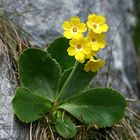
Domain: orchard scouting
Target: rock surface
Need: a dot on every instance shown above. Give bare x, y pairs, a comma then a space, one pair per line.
10, 127
43, 19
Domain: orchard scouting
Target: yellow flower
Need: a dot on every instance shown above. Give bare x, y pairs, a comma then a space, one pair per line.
97, 23
73, 28
91, 54
93, 65
79, 47
97, 41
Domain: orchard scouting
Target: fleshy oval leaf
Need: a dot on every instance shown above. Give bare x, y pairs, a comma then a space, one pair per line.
30, 107
58, 51
65, 127
102, 106
39, 73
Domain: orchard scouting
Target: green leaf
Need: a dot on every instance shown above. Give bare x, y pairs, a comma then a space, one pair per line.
102, 106
78, 82
39, 72
58, 51
65, 127
30, 107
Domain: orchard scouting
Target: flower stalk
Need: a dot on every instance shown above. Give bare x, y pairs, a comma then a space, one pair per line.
63, 89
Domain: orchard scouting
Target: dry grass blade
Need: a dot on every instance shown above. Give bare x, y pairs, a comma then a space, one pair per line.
124, 130
12, 43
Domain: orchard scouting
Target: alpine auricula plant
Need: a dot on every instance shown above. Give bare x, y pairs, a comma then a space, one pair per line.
53, 84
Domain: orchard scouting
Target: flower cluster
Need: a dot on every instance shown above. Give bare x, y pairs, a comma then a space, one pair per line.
85, 47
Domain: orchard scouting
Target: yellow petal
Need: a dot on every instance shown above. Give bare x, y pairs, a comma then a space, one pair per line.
78, 35
66, 25
86, 50
100, 19
87, 67
68, 34
102, 44
92, 17
82, 27
97, 64
75, 20
79, 56
104, 28
87, 56
101, 36
89, 24
101, 63
84, 41
94, 69
82, 61
94, 47
91, 54
94, 65
73, 42
71, 51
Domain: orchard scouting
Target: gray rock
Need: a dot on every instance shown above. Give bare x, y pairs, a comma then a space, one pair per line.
43, 20
9, 125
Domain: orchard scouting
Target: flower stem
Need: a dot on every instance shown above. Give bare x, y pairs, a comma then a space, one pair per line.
68, 80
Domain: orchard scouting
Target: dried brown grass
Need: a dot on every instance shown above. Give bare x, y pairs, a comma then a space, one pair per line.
127, 129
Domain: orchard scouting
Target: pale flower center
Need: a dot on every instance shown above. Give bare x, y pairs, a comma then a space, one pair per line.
93, 40
74, 30
79, 47
95, 26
